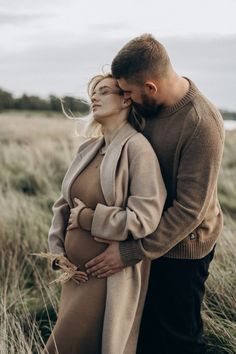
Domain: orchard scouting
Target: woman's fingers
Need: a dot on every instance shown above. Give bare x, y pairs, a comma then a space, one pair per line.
78, 202
80, 276
79, 279
71, 226
76, 281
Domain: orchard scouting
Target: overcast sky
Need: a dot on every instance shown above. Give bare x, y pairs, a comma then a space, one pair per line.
55, 46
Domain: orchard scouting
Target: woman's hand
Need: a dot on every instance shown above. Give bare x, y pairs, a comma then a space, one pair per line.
64, 262
74, 213
79, 276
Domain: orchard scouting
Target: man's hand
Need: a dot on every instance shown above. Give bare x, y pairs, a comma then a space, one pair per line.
108, 262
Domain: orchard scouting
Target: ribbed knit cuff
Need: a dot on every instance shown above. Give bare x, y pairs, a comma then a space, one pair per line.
130, 252
86, 218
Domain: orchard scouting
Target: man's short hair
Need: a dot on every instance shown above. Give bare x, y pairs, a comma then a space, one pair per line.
141, 59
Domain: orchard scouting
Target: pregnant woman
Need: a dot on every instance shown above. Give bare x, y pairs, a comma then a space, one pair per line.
113, 189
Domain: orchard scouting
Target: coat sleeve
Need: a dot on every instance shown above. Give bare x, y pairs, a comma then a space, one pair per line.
56, 234
147, 194
61, 213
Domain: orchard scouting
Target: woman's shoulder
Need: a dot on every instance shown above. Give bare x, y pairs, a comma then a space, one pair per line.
139, 143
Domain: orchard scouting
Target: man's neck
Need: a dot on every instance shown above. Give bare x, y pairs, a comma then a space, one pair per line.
173, 90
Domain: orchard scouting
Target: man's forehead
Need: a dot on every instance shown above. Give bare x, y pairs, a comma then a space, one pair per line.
124, 85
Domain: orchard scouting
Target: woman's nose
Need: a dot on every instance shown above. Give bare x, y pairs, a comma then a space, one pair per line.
93, 98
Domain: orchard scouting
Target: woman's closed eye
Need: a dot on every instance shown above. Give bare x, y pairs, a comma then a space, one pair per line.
104, 92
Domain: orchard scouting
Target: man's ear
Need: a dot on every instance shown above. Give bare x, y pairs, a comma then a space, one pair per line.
150, 87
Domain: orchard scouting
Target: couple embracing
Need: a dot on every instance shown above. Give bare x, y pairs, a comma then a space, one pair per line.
138, 216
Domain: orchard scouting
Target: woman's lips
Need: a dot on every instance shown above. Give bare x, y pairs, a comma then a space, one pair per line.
95, 106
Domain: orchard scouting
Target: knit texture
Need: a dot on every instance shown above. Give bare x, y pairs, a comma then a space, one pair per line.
188, 139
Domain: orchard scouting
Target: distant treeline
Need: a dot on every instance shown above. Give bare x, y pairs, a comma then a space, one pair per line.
228, 115
52, 103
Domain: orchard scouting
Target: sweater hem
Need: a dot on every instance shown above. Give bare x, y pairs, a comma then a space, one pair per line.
197, 250
131, 252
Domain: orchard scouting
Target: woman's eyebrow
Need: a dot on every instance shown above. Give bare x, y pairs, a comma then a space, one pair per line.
100, 88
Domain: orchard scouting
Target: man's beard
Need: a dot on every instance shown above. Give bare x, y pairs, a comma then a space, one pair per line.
148, 108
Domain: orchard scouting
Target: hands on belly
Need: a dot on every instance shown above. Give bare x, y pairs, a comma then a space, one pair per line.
73, 221
108, 262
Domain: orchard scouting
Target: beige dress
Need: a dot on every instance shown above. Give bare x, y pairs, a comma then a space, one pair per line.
78, 329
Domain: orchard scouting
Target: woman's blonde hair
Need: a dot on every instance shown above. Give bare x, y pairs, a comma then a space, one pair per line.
87, 126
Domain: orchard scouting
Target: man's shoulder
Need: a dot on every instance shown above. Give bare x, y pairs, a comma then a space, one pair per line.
198, 108
205, 114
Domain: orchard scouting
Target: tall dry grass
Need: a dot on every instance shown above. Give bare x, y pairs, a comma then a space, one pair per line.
35, 153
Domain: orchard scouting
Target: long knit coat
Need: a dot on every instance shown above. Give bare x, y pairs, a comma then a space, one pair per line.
135, 194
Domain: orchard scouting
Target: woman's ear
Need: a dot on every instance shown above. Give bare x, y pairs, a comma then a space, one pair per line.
127, 102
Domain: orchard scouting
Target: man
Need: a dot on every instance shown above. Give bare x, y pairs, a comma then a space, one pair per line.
187, 134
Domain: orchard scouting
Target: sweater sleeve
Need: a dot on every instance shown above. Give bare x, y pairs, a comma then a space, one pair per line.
144, 206
196, 181
56, 234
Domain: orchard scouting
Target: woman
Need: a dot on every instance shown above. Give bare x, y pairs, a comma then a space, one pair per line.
113, 189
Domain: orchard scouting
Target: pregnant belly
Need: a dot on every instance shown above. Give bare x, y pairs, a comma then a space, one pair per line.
80, 246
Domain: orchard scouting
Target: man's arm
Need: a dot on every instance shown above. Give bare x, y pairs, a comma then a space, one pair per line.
196, 181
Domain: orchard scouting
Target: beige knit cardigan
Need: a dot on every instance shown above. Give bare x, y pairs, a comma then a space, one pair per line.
135, 194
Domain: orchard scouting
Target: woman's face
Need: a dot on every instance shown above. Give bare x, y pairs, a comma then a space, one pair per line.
107, 100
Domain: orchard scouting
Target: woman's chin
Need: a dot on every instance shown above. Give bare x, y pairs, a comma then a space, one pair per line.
98, 118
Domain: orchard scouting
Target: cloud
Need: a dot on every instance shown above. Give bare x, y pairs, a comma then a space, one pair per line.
15, 19
109, 26
66, 66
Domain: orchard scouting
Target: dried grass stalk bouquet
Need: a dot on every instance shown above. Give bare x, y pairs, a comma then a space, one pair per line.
69, 269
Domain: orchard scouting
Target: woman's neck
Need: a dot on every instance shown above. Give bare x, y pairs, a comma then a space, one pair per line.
109, 131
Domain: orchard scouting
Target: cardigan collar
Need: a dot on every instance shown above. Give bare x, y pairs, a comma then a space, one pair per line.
110, 161
87, 152
118, 139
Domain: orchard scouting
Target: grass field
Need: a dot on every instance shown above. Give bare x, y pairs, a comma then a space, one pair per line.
35, 153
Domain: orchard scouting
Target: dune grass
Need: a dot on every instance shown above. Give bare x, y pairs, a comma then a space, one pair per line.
35, 153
